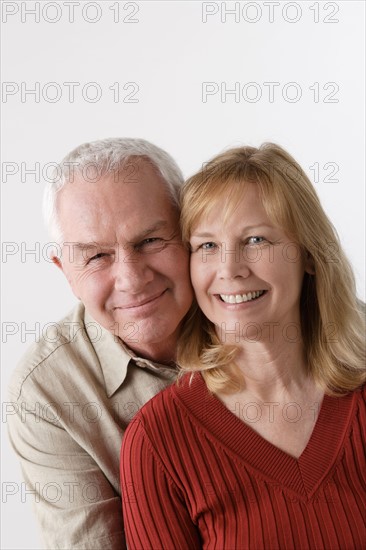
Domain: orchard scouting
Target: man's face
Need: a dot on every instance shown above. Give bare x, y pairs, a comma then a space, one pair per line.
124, 259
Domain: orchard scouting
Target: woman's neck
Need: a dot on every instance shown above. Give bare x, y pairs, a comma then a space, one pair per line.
273, 369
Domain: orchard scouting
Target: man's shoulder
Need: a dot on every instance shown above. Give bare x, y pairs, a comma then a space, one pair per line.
165, 408
62, 343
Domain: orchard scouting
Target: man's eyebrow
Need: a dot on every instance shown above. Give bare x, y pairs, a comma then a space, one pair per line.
161, 224
89, 245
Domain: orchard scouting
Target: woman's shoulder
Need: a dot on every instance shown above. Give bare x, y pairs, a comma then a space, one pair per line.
360, 394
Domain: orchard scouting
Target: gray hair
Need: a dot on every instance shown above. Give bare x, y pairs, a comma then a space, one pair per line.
104, 157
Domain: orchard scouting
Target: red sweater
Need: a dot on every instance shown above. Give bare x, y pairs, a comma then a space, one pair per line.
195, 476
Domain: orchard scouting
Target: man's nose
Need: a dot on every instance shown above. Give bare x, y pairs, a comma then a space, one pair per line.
132, 272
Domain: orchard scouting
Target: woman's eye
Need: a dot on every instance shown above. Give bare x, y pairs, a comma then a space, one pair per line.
208, 246
256, 240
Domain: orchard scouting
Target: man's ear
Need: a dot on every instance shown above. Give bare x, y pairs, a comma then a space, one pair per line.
56, 260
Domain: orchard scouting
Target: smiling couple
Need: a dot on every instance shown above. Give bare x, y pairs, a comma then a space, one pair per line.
259, 443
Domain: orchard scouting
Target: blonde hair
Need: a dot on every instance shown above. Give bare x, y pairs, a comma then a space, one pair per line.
332, 321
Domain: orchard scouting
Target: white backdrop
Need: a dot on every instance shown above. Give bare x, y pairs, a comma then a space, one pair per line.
192, 77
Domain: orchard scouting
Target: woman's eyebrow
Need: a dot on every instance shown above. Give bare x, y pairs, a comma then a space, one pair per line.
203, 234
244, 229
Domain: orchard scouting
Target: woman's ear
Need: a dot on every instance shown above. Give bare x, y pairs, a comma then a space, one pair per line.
309, 264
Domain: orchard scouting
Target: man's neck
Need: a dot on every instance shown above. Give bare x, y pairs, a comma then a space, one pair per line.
158, 352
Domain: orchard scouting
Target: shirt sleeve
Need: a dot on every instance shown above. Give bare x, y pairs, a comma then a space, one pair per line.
155, 513
75, 504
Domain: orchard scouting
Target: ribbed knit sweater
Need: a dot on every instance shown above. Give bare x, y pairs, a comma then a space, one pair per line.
194, 475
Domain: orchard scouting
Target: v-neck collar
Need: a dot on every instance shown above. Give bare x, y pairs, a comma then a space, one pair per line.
302, 475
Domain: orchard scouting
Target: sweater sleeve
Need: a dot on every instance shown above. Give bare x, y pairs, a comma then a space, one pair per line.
155, 513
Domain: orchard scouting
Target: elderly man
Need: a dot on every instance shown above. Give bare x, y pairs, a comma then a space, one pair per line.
114, 212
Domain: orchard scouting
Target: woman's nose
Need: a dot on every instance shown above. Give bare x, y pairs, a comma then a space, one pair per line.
232, 262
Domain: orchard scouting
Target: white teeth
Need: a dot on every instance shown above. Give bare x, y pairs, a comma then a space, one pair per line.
239, 298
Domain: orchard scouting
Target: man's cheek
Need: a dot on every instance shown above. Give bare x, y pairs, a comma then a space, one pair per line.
90, 290
74, 283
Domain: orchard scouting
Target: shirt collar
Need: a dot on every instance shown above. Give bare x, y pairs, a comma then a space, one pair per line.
114, 356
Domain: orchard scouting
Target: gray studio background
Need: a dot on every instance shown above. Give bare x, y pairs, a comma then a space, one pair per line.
194, 78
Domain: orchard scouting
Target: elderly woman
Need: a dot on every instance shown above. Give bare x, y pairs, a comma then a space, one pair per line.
261, 443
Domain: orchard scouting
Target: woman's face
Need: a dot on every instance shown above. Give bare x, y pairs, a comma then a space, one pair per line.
247, 274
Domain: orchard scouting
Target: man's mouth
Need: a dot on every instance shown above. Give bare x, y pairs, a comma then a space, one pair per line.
148, 300
240, 298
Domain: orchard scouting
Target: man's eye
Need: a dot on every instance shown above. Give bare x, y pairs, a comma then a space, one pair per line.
152, 244
151, 240
97, 257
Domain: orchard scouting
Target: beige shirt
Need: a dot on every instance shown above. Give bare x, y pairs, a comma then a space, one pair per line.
73, 395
